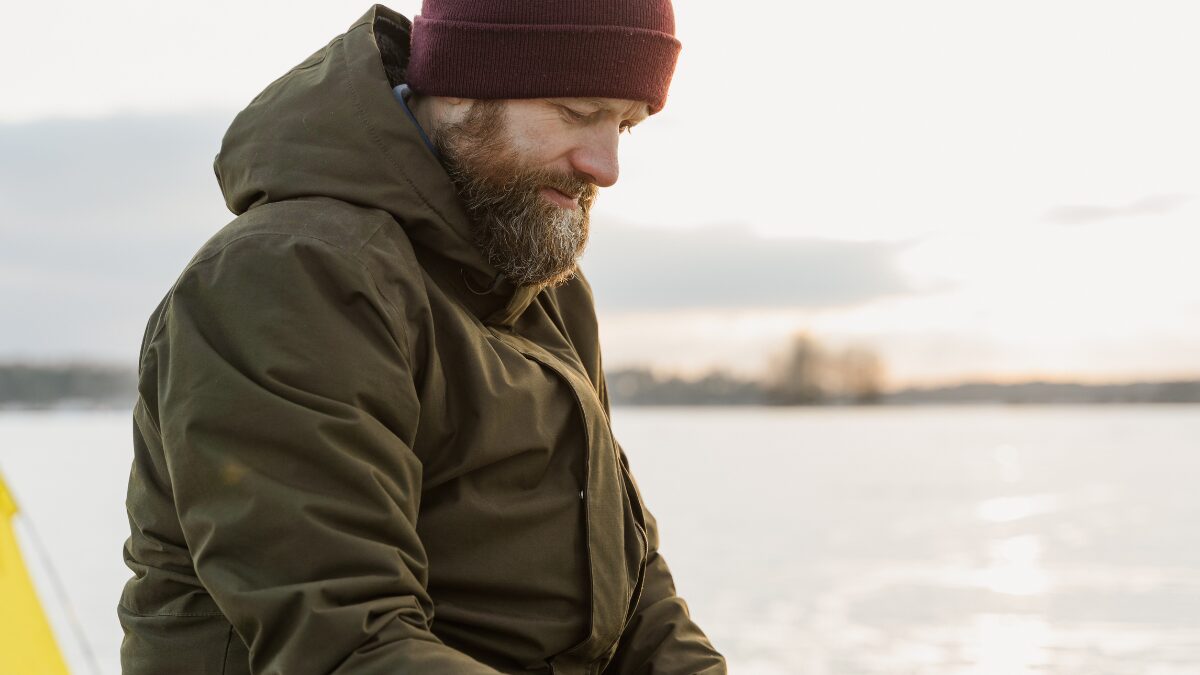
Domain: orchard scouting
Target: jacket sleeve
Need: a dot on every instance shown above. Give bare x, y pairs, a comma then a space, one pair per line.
660, 638
287, 409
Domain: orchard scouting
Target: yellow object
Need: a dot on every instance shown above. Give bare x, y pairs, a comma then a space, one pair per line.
27, 646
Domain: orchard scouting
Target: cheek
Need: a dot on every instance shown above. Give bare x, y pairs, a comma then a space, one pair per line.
543, 145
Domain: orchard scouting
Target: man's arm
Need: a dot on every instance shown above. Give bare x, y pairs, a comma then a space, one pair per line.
661, 638
287, 410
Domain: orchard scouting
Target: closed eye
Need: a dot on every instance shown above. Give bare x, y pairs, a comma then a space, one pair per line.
578, 117
574, 115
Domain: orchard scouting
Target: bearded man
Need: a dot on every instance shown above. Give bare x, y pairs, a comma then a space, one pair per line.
373, 432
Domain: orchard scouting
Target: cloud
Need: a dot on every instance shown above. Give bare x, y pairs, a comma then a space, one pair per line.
1153, 205
730, 267
97, 217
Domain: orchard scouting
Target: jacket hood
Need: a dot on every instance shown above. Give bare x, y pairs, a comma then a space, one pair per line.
331, 127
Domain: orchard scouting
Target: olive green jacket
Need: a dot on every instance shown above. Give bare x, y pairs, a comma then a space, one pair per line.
358, 449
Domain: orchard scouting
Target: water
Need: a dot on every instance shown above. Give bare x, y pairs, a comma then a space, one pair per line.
939, 541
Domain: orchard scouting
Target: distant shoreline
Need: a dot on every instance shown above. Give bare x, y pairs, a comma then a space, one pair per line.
99, 387
638, 387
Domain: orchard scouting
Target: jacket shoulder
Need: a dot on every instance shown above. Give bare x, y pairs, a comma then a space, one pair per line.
338, 224
292, 245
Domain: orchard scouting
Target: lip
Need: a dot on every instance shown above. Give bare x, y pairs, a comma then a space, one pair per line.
560, 198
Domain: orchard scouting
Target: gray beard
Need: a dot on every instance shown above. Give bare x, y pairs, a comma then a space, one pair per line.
525, 237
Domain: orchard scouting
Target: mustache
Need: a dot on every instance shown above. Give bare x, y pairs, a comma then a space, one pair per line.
519, 186
568, 185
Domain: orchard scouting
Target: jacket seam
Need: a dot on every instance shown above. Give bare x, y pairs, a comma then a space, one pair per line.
146, 406
301, 69
382, 296
370, 236
288, 75
353, 255
171, 614
225, 658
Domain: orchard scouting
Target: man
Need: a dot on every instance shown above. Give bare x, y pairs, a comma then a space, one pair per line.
373, 431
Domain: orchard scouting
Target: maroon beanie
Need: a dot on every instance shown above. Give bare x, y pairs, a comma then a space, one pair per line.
533, 48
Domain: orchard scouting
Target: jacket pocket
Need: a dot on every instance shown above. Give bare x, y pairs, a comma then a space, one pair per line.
190, 644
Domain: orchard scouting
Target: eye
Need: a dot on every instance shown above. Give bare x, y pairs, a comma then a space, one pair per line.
572, 114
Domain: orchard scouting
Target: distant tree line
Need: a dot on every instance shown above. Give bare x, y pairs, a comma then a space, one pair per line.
1038, 393
807, 373
804, 373
638, 386
68, 385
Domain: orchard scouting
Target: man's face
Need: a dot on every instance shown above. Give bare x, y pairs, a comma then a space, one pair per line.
528, 171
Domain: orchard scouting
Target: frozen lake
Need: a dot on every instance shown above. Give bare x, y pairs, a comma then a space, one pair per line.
938, 541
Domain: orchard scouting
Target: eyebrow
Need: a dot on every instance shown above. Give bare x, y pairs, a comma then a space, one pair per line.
601, 103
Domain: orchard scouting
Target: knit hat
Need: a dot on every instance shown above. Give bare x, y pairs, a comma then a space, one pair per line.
552, 48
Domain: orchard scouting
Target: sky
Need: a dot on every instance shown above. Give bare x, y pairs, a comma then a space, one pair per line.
1000, 190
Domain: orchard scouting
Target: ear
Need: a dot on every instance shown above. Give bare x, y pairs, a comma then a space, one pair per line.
439, 110
455, 108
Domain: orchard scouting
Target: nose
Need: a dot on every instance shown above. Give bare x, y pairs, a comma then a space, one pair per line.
595, 159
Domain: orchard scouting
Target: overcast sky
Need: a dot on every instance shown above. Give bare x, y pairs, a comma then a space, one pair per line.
1003, 189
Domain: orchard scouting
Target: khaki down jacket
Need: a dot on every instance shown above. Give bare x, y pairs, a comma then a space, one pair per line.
357, 448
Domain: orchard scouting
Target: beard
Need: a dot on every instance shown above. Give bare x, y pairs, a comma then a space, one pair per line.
523, 235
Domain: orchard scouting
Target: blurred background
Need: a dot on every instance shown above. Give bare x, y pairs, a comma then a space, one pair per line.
912, 285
